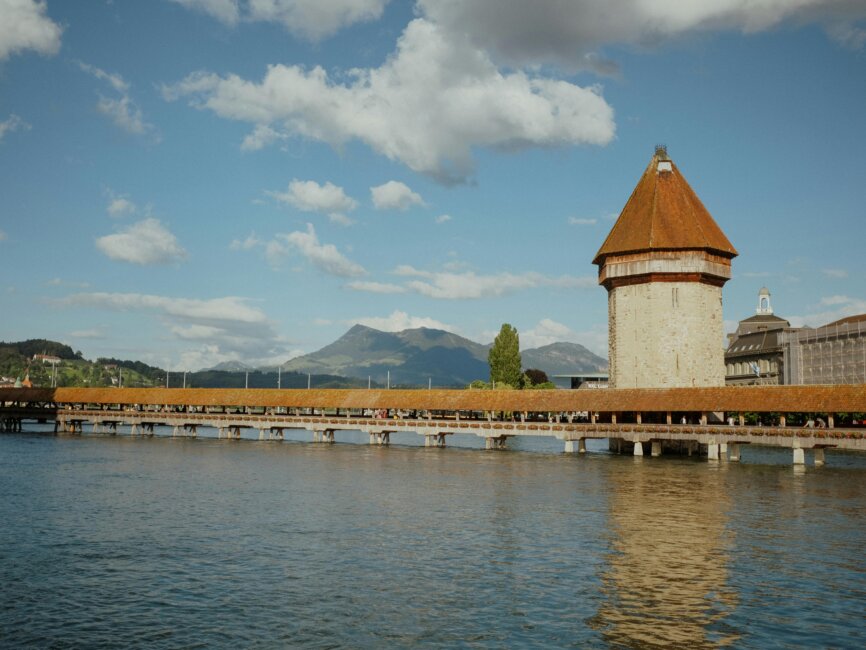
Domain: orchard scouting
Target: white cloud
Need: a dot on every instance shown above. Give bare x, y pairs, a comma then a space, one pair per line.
119, 206
394, 195
576, 221
844, 306
316, 19
449, 86
571, 33
226, 11
547, 331
11, 124
60, 282
376, 287
144, 242
323, 256
121, 110
245, 244
328, 199
443, 218
398, 321
309, 19
24, 25
835, 273
469, 285
224, 329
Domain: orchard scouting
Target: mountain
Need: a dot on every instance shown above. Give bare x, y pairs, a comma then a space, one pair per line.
413, 357
230, 366
416, 356
563, 359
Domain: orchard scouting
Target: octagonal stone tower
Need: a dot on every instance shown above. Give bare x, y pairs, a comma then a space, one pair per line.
664, 264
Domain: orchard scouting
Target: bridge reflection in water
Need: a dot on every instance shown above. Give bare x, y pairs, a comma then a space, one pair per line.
635, 421
666, 579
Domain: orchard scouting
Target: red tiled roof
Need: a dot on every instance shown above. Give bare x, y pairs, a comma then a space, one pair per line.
664, 213
795, 399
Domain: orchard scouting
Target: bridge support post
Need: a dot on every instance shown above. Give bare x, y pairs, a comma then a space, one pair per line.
492, 443
799, 455
734, 451
570, 446
656, 448
819, 456
638, 448
713, 451
174, 431
723, 451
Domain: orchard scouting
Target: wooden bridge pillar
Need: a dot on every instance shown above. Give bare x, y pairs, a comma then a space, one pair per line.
656, 449
638, 448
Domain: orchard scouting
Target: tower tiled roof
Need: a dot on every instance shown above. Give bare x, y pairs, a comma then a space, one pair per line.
664, 213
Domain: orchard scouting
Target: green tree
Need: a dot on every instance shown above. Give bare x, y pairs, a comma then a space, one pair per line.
504, 357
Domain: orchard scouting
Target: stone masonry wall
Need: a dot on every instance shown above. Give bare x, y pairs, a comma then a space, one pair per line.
665, 335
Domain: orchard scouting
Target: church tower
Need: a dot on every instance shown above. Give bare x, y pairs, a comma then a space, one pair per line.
664, 264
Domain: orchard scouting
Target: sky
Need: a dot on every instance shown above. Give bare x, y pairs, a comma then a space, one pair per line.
187, 182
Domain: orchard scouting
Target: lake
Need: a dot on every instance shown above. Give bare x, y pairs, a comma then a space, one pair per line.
167, 543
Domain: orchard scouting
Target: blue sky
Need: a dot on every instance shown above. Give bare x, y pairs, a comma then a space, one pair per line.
187, 182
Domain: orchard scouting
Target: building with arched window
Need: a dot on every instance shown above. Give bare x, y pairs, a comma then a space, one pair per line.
755, 354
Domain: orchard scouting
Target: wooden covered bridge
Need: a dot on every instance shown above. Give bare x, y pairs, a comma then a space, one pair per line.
714, 421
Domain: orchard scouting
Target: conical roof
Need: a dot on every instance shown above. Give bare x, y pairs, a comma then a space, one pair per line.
664, 213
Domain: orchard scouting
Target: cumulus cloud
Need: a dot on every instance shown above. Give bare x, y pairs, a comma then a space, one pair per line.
249, 243
398, 321
226, 11
571, 33
144, 242
547, 331
309, 196
119, 206
443, 218
224, 329
24, 25
576, 221
376, 287
309, 19
315, 19
325, 257
11, 124
120, 109
469, 285
452, 88
829, 309
394, 195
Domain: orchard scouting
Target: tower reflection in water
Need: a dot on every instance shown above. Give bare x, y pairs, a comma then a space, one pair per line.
666, 579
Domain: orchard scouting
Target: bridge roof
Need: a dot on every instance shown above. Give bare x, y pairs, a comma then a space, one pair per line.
795, 399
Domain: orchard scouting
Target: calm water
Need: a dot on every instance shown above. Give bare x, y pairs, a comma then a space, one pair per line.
115, 542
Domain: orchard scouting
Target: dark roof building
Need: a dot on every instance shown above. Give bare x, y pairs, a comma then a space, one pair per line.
754, 354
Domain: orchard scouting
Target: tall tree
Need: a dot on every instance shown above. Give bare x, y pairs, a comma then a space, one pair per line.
504, 357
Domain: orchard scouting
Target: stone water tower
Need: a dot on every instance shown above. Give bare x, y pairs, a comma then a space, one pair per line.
664, 264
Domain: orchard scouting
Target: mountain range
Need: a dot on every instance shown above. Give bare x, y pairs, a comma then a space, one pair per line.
415, 357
